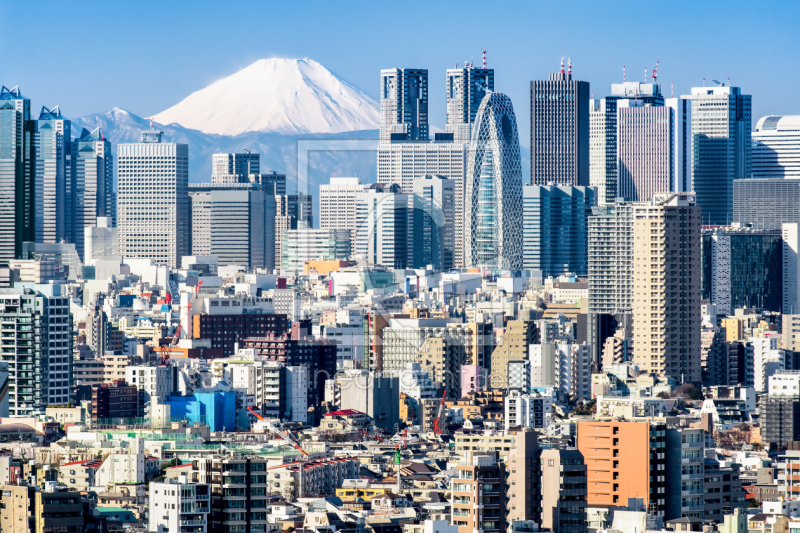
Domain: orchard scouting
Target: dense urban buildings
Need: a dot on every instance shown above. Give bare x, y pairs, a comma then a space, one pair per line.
560, 130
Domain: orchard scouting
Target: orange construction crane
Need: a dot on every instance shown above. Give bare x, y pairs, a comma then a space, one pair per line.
438, 422
255, 414
168, 347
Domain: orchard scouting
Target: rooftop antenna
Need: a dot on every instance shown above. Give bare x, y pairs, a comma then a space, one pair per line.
623, 73
484, 58
645, 74
729, 82
562, 64
569, 66
655, 72
672, 89
455, 65
704, 82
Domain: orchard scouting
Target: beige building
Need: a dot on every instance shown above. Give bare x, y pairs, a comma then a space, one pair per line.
518, 336
441, 358
523, 489
791, 332
501, 444
563, 491
478, 493
666, 286
114, 367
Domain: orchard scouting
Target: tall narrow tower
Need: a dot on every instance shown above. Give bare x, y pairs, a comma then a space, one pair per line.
404, 104
466, 88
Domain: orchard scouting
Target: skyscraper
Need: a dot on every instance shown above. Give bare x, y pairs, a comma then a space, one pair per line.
560, 130
611, 258
666, 286
776, 147
493, 192
234, 222
385, 232
242, 164
153, 199
17, 212
603, 148
721, 146
289, 210
434, 213
52, 136
466, 88
555, 228
404, 104
89, 193
337, 205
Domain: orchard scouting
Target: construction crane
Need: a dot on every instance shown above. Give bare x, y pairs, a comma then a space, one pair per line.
439, 421
191, 301
165, 349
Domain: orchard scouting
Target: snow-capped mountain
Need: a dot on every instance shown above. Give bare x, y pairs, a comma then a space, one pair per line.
288, 96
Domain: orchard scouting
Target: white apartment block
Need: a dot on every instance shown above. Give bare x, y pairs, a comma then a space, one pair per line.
767, 360
154, 383
177, 506
565, 365
153, 200
528, 410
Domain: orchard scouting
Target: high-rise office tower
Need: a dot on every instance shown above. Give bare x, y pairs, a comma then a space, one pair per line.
742, 268
466, 88
611, 258
404, 104
402, 162
721, 146
271, 182
666, 286
337, 205
90, 194
242, 164
639, 142
39, 351
289, 210
17, 212
776, 147
555, 228
154, 199
560, 130
434, 213
52, 135
790, 251
766, 203
234, 222
384, 229
493, 192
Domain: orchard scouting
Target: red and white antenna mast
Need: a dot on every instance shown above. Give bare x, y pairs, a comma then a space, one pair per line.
569, 66
562, 64
655, 72
484, 58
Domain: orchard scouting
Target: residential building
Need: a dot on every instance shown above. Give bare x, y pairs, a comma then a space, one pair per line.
227, 321
17, 174
116, 400
766, 203
37, 345
721, 126
518, 336
370, 393
337, 205
479, 485
560, 130
532, 410
176, 504
610, 260
723, 493
666, 286
52, 135
685, 473
27, 509
780, 409
776, 147
523, 486
790, 333
742, 268
603, 148
442, 357
234, 223
555, 228
404, 337
493, 189
466, 88
434, 222
564, 365
90, 196
154, 383
624, 460
153, 200
564, 490
416, 385
404, 104
768, 360
303, 244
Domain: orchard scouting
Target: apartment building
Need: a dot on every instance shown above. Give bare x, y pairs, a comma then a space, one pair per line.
523, 487
518, 336
477, 493
177, 505
563, 491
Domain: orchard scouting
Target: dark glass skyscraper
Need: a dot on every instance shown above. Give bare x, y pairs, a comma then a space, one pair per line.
560, 130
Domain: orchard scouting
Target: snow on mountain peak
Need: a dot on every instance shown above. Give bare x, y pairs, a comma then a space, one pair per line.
288, 96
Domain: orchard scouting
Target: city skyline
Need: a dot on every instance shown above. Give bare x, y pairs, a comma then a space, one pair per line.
517, 54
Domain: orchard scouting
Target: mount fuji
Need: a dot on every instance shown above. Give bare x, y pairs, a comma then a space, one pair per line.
287, 96
265, 108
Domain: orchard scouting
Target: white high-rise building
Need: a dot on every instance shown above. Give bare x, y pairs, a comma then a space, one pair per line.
776, 147
384, 234
611, 258
768, 359
177, 505
242, 164
403, 162
337, 205
434, 211
404, 104
153, 200
101, 240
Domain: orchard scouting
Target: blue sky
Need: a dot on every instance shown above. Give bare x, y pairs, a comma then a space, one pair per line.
145, 56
